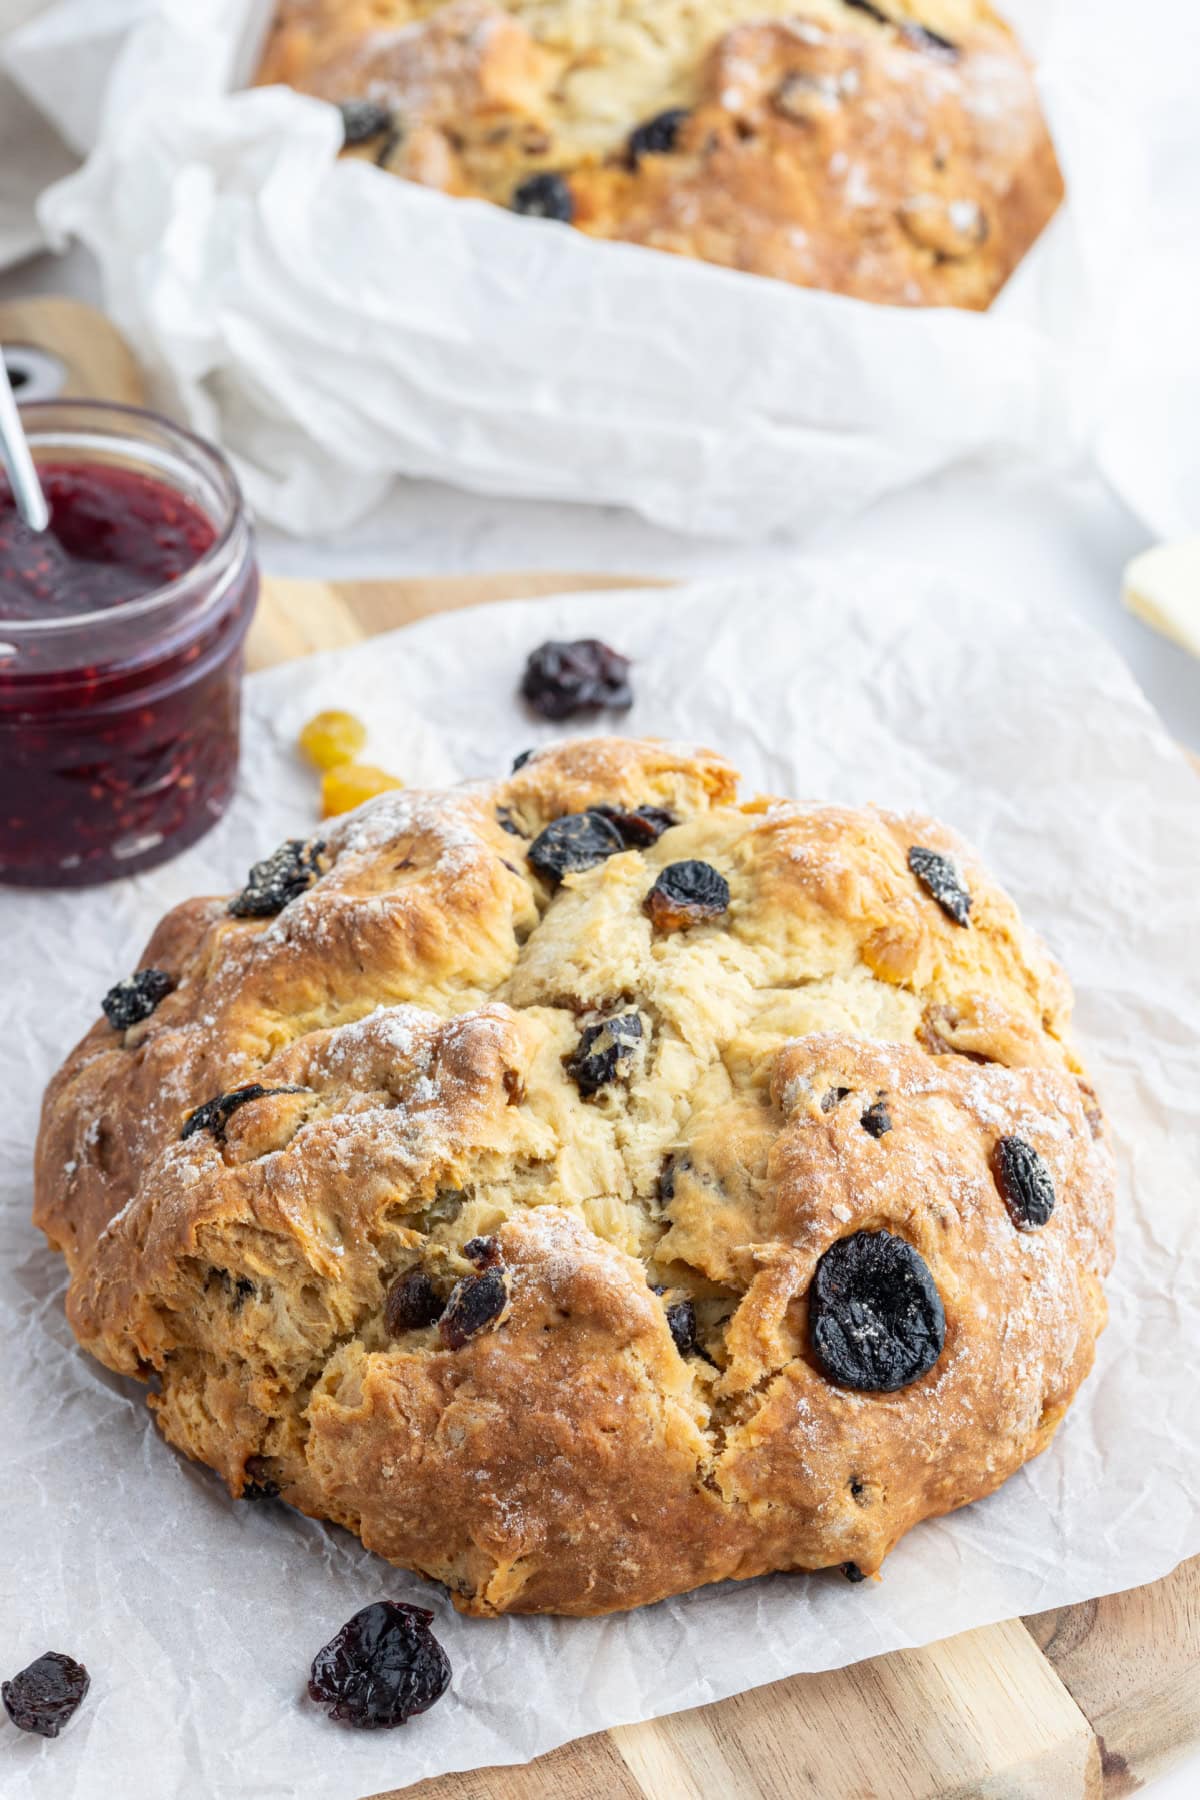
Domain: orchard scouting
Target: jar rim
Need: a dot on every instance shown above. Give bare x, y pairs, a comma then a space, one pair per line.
213, 463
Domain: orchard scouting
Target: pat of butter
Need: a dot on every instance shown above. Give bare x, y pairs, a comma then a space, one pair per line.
1162, 586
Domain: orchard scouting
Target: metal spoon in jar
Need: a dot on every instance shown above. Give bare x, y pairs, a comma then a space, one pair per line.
14, 451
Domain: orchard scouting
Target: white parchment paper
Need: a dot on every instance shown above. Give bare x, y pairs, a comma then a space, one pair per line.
335, 327
198, 1615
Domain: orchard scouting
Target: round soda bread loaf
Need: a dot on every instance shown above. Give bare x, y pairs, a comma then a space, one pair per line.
582, 1205
893, 151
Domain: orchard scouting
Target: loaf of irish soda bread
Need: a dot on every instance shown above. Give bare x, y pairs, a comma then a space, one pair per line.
890, 149
584, 1187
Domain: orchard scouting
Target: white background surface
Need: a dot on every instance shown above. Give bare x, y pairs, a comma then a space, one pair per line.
333, 328
997, 529
996, 526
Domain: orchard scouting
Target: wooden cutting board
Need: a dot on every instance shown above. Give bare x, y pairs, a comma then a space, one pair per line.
1081, 1703
77, 354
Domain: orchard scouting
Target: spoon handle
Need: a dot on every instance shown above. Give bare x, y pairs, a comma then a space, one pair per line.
14, 450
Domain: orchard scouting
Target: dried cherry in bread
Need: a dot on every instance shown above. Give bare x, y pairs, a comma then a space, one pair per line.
130, 1001
876, 1320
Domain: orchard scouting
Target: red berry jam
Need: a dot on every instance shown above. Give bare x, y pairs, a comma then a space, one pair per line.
114, 535
121, 637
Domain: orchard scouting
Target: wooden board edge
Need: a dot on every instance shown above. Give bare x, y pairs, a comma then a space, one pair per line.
980, 1714
98, 362
1131, 1661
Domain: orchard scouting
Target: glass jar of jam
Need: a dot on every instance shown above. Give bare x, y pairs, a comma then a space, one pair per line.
121, 639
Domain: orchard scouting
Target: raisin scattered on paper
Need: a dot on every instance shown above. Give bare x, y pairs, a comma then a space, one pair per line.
875, 1317
938, 875
383, 1667
1025, 1183
349, 784
576, 841
657, 136
215, 1114
563, 679
686, 893
544, 196
278, 879
852, 1572
412, 1303
46, 1696
332, 737
877, 1119
603, 1051
134, 999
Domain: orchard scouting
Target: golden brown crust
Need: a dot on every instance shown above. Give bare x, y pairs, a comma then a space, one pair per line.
414, 1013
894, 152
